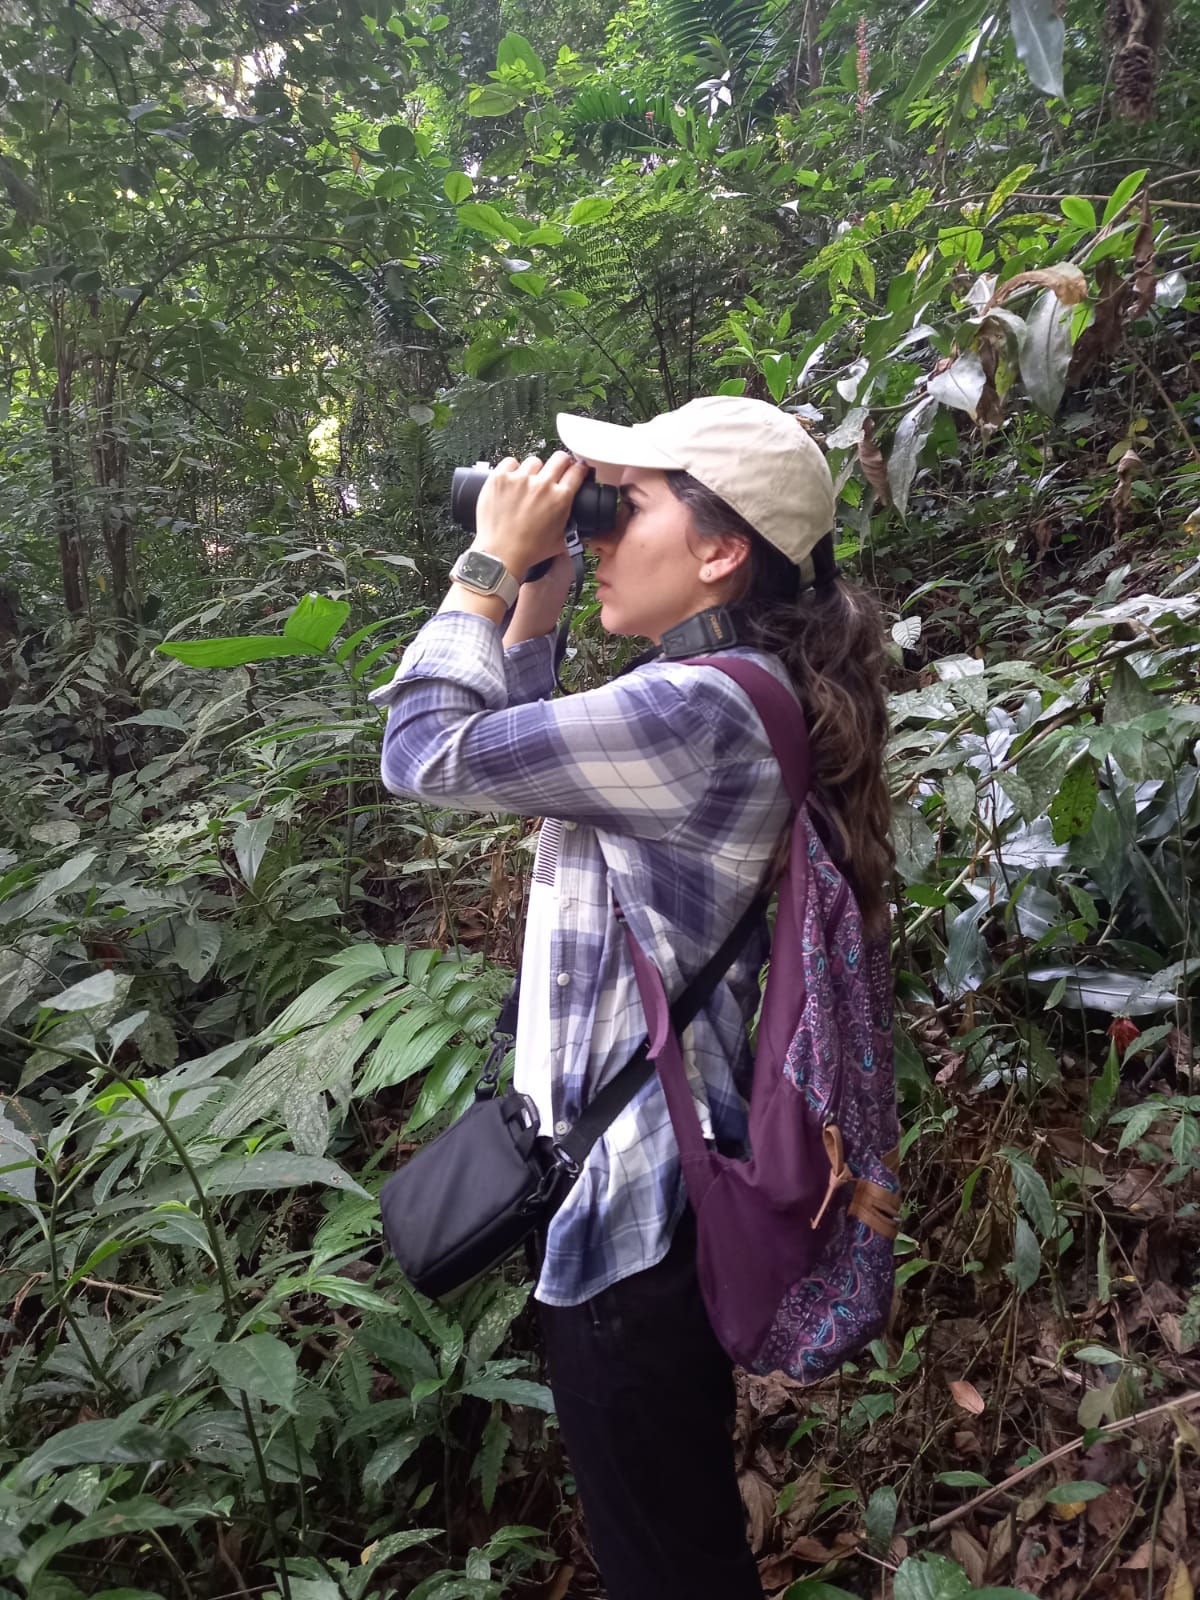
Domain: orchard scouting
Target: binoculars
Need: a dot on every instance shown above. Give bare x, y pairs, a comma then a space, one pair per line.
593, 511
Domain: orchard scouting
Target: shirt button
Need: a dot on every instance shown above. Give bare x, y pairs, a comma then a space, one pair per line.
562, 1128
563, 979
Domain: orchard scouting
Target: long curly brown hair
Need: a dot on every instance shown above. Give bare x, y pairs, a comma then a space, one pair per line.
830, 639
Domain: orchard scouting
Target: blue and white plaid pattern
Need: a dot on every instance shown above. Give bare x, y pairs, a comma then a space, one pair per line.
671, 802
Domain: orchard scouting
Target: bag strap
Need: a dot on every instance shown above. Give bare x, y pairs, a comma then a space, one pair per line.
785, 728
603, 1109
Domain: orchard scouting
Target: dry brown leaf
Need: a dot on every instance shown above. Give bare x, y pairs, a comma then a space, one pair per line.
1139, 1560
1000, 1543
1067, 281
967, 1396
970, 1555
759, 1498
1145, 277
870, 459
1180, 1585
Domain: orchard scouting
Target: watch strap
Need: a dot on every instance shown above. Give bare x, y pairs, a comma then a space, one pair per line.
505, 586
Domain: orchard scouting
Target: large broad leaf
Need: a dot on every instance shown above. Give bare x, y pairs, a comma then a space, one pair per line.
96, 990
1045, 351
232, 652
906, 449
249, 845
1129, 994
936, 1577
18, 1160
261, 1365
961, 385
312, 626
275, 1169
516, 51
114, 1439
949, 42
1038, 34
67, 876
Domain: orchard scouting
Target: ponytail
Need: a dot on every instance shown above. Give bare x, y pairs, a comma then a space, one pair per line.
830, 640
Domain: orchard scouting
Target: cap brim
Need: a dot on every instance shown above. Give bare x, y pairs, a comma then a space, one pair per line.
610, 443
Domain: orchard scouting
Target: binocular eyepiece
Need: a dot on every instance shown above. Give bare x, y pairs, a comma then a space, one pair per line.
593, 511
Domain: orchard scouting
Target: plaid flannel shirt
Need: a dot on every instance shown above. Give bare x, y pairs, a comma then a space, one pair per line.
670, 802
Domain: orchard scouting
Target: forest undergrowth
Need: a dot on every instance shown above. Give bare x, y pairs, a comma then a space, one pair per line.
328, 252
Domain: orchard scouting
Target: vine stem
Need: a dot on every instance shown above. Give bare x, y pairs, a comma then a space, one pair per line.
1183, 1402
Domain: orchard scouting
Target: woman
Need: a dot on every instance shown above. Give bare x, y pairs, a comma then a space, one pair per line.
666, 800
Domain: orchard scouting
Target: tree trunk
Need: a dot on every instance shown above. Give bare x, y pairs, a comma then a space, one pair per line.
66, 509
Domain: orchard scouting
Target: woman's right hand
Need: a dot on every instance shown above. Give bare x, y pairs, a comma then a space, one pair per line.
522, 512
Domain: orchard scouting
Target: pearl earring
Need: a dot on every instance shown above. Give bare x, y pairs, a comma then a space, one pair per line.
706, 572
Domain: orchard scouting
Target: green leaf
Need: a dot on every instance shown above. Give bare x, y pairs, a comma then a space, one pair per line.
934, 1577
492, 1451
1103, 1091
457, 186
514, 51
963, 1480
1038, 35
1128, 697
18, 1160
1027, 1256
489, 221
491, 102
1071, 1494
816, 1589
98, 990
1096, 1355
108, 1441
396, 141
1074, 806
948, 42
1079, 211
1033, 1194
594, 209
261, 1365
1005, 188
235, 652
389, 1458
514, 1391
1122, 194
311, 627
274, 1169
880, 1518
249, 845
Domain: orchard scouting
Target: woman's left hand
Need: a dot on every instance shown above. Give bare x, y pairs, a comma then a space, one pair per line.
522, 512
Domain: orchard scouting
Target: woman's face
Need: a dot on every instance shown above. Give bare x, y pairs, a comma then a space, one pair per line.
648, 569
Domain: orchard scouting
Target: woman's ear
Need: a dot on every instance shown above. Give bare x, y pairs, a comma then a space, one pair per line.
727, 554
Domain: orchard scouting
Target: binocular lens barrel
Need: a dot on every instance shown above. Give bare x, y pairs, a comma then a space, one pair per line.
593, 511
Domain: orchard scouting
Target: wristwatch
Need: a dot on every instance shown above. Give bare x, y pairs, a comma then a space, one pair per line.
485, 574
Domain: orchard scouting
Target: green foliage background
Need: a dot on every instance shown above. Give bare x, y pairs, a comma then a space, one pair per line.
269, 273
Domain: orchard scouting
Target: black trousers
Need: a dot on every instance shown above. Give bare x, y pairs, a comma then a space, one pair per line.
645, 1400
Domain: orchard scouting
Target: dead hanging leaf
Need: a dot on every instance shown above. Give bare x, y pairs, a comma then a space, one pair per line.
1043, 533
870, 459
1180, 1585
1144, 275
967, 1396
1128, 468
1066, 279
1103, 335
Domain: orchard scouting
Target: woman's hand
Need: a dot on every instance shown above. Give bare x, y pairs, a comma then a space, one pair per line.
522, 512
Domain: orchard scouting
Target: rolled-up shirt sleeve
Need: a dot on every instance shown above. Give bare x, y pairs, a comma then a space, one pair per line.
636, 755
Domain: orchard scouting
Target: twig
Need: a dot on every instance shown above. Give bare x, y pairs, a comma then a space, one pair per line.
1170, 405
1181, 1403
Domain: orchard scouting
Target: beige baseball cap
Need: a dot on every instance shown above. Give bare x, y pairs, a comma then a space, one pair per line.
759, 459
